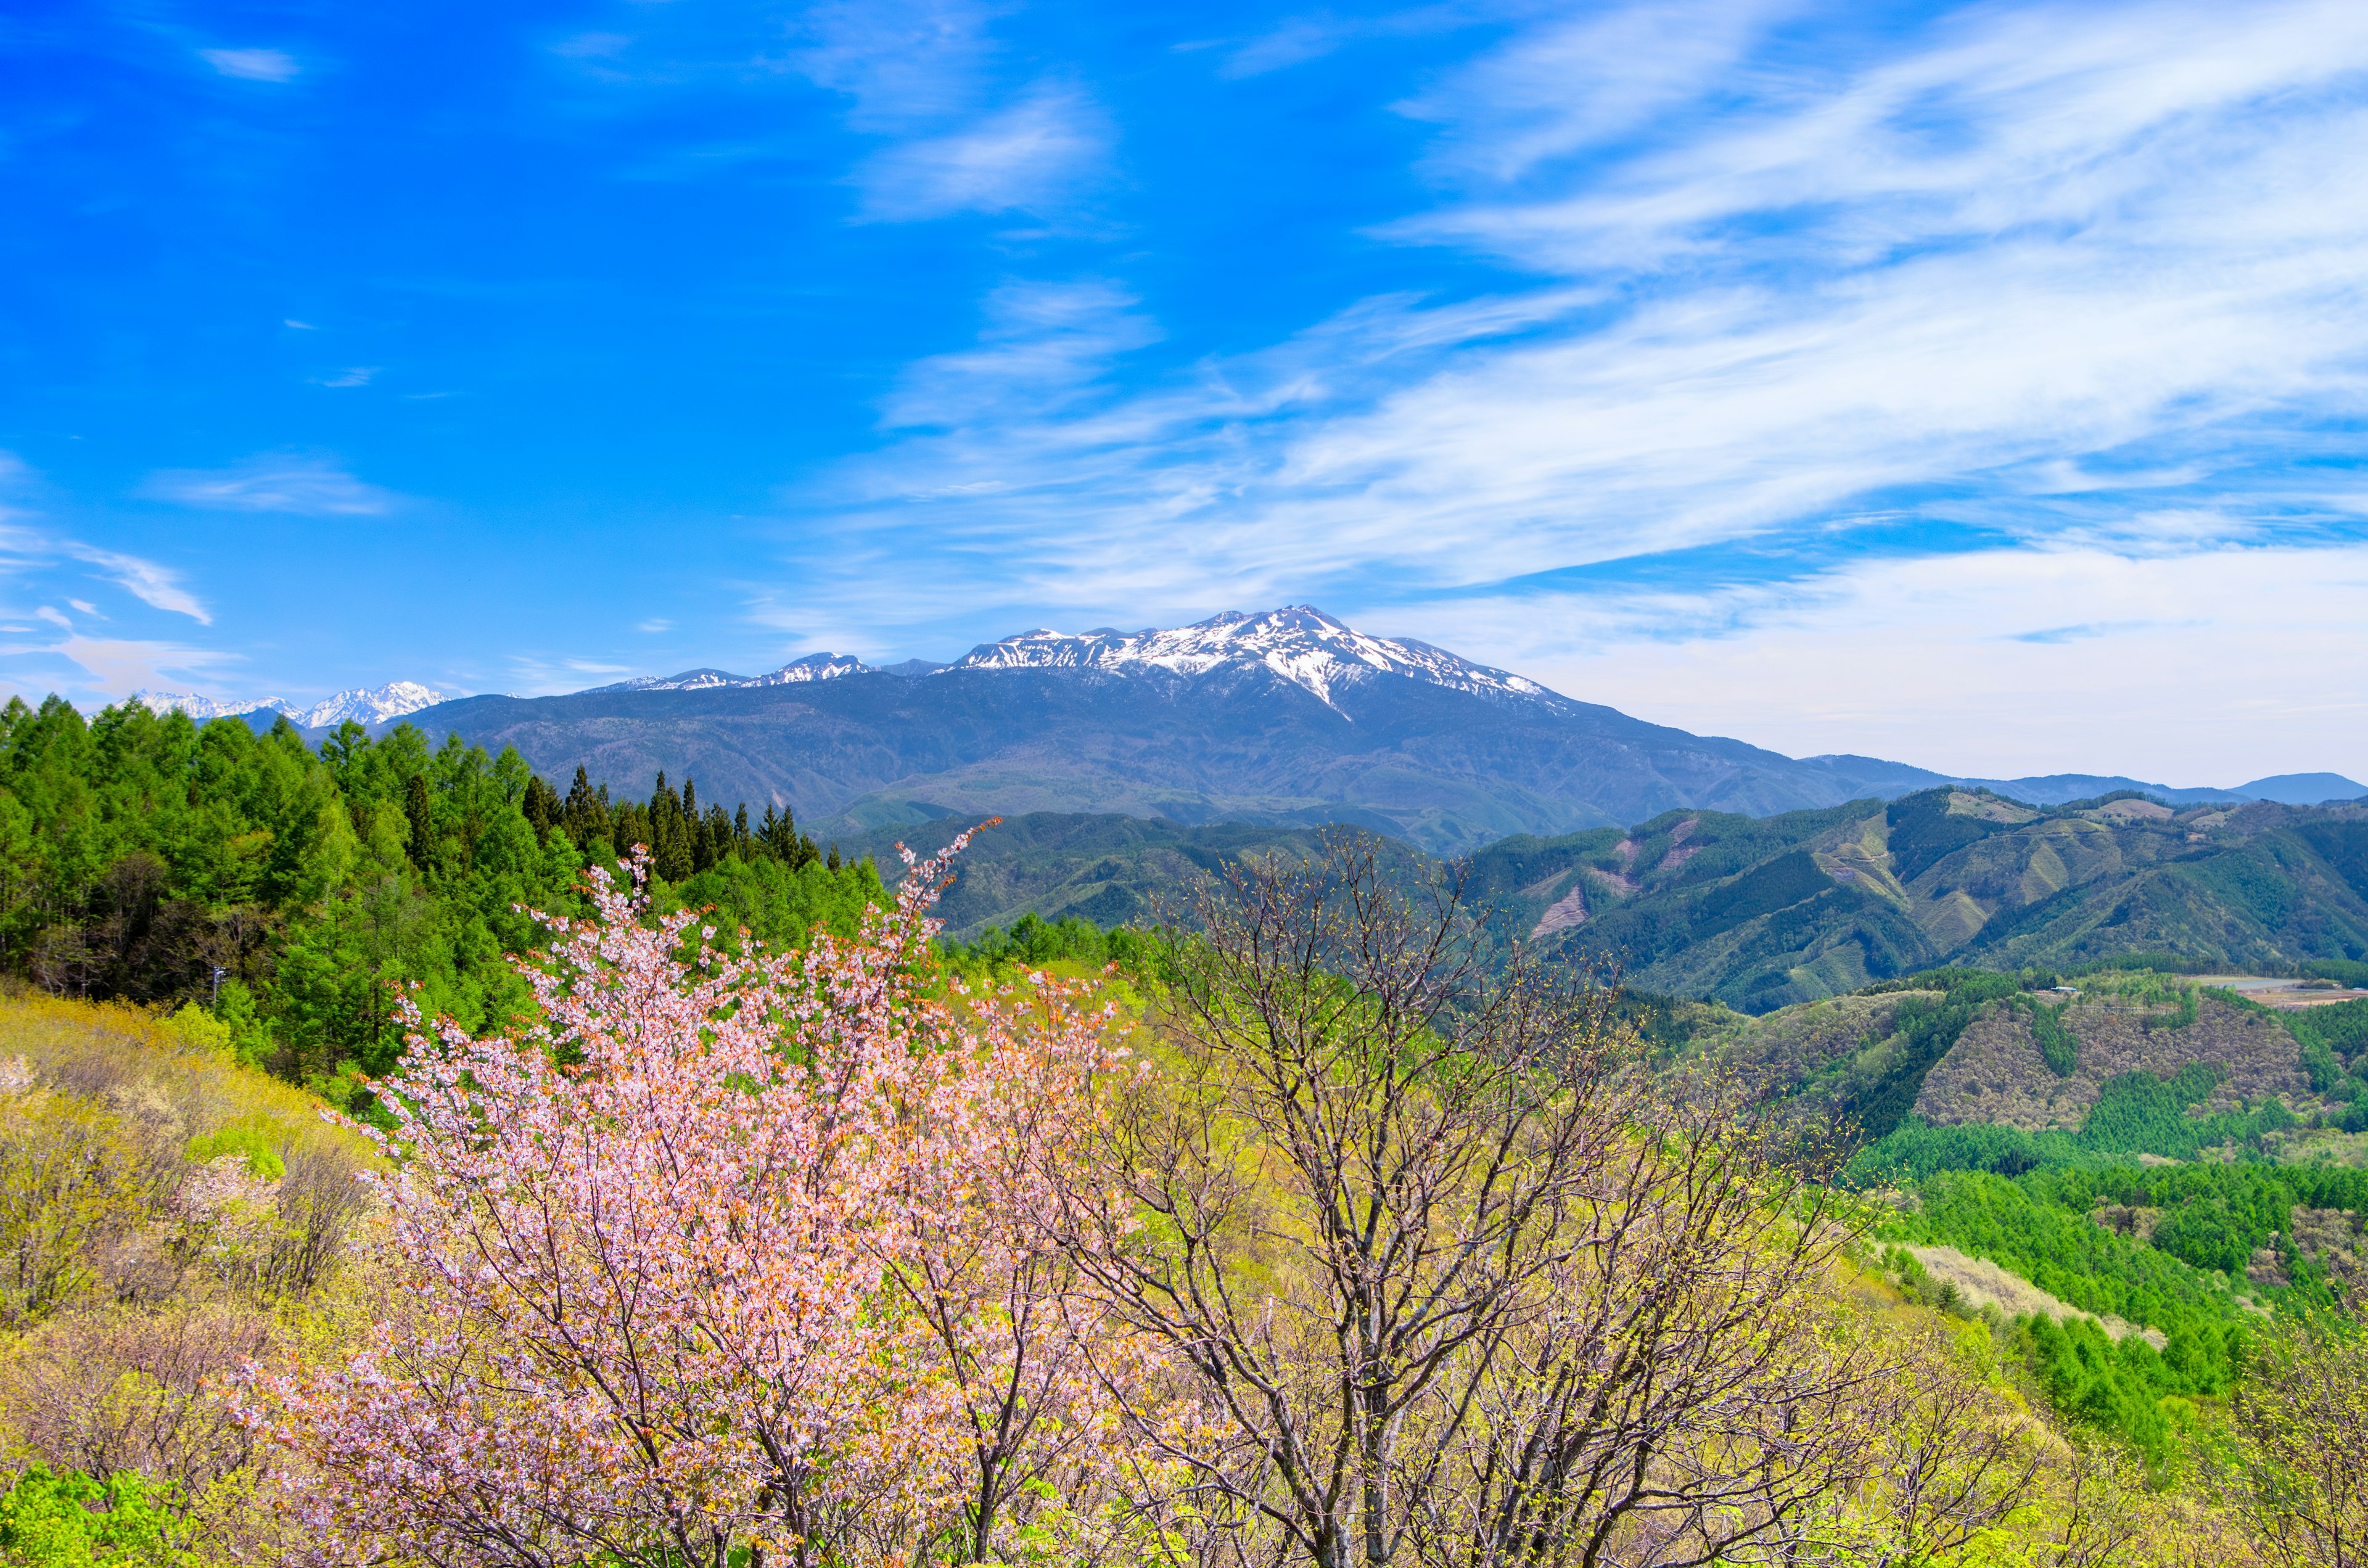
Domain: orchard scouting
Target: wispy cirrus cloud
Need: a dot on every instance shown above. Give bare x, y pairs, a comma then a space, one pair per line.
27, 548
296, 483
1035, 155
144, 580
2039, 274
2210, 666
252, 64
906, 65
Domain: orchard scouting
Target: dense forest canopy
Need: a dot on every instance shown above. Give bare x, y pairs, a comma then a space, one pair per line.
147, 858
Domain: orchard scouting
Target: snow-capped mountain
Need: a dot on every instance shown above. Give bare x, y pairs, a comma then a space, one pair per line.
814, 666
374, 705
202, 709
1300, 643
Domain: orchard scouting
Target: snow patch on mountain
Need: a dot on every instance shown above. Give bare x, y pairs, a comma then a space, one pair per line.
1300, 643
372, 706
200, 709
814, 666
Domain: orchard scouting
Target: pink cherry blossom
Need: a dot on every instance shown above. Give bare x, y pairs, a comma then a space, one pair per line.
727, 1252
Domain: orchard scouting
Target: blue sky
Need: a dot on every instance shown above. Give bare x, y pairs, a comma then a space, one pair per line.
1981, 386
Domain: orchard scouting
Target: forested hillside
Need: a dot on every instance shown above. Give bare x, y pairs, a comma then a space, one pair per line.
2175, 1166
289, 889
218, 1348
1758, 913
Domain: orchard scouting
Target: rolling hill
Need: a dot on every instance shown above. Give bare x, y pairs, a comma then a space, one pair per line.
1761, 913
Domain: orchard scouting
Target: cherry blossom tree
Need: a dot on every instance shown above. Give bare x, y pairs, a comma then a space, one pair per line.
725, 1258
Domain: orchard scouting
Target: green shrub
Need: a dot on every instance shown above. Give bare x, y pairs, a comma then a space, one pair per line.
50, 1519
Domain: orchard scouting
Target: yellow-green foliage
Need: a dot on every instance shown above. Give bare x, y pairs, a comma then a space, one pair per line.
166, 1214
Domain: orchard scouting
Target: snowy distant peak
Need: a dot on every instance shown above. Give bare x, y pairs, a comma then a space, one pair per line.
1300, 643
374, 706
689, 680
202, 709
391, 701
814, 666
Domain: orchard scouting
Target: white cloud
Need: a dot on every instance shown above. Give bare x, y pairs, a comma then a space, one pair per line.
1044, 344
2211, 667
122, 666
1035, 156
252, 64
285, 481
1572, 83
153, 584
906, 64
85, 607
654, 625
353, 376
2062, 274
300, 325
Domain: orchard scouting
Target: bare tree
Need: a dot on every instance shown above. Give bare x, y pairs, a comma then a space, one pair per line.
1452, 1279
2300, 1468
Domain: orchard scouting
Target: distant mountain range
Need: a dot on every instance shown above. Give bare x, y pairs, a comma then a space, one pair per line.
376, 706
1760, 913
1764, 912
1284, 718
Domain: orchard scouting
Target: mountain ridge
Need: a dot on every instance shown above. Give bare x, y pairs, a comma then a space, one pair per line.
1286, 716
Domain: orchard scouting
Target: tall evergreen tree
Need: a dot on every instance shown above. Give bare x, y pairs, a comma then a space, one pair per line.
421, 816
542, 806
587, 811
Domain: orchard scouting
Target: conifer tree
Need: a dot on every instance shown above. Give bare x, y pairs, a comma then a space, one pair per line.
422, 818
541, 807
588, 810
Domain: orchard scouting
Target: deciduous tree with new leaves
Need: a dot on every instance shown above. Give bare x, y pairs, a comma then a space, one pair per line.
723, 1259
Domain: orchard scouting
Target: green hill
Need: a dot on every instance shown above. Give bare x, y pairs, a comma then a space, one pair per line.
1759, 913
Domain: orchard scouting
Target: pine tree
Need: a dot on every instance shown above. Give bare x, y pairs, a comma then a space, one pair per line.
422, 817
541, 807
587, 811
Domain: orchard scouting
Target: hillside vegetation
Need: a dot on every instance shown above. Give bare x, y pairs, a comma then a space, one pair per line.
1794, 1393
2009, 1091
167, 1215
292, 889
2179, 1166
1758, 913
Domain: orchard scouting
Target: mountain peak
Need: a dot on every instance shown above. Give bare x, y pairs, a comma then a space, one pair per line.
814, 666
200, 709
1298, 642
372, 705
